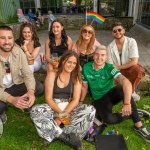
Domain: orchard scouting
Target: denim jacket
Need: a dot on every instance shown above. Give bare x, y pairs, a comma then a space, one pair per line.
20, 72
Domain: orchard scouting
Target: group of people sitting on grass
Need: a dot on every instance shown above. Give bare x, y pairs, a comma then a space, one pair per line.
110, 74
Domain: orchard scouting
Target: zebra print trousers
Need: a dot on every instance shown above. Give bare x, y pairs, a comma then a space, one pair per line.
81, 120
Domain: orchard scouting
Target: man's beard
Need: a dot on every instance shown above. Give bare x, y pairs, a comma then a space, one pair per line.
6, 50
119, 37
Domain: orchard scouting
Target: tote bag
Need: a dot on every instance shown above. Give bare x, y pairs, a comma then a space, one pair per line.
110, 142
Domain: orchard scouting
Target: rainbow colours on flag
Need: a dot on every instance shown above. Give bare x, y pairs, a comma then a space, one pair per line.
93, 15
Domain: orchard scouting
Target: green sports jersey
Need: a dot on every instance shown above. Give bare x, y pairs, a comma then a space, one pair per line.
99, 81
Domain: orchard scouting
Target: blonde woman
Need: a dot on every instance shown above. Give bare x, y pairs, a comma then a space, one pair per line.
86, 44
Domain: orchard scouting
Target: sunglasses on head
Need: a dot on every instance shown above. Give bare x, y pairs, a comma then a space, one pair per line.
117, 30
87, 31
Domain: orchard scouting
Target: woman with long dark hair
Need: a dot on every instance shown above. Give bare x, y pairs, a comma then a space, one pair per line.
29, 42
58, 42
62, 117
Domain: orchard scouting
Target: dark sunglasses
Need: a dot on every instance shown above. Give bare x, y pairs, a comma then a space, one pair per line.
7, 67
115, 31
87, 31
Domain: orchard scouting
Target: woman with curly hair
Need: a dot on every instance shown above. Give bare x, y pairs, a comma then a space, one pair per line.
58, 42
86, 44
29, 42
61, 117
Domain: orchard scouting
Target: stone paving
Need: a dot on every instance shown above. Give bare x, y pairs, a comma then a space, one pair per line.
104, 37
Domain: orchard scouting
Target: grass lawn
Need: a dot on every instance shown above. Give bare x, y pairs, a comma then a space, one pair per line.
20, 133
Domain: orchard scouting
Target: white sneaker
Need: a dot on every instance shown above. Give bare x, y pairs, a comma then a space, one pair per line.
3, 117
1, 128
143, 113
136, 97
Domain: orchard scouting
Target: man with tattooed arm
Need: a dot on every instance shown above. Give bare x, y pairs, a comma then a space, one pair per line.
99, 76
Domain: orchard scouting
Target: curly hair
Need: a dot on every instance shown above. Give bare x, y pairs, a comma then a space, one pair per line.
33, 30
80, 39
76, 74
117, 24
64, 37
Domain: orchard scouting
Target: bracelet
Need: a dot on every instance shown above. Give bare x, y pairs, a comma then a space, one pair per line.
126, 103
81, 101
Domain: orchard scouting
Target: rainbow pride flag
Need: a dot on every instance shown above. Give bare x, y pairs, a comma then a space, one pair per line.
93, 15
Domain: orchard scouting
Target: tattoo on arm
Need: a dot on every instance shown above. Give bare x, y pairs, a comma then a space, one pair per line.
120, 79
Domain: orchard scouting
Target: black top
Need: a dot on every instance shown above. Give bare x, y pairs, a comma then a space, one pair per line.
36, 43
85, 58
60, 49
63, 93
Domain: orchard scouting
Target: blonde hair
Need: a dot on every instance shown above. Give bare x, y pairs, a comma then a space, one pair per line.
101, 47
80, 39
49, 12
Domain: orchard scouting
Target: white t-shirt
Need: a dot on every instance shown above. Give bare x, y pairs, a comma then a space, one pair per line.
7, 80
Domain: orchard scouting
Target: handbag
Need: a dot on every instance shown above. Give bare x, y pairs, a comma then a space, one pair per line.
110, 142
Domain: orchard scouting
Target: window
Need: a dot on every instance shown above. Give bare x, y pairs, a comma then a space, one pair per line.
113, 7
26, 4
144, 12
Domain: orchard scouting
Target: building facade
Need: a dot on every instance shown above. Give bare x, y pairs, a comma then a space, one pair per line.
143, 13
138, 9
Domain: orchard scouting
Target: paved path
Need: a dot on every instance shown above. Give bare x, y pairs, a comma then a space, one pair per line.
104, 37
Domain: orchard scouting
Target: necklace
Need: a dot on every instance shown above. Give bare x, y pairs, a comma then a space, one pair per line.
63, 81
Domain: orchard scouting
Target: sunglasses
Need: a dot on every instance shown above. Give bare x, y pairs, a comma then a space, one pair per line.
87, 31
117, 30
7, 67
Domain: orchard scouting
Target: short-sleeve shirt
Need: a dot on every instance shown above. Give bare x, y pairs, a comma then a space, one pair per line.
100, 81
129, 50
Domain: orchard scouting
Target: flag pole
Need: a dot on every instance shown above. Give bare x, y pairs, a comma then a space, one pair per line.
92, 21
86, 17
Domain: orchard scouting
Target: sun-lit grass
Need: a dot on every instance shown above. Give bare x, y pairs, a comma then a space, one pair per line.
20, 133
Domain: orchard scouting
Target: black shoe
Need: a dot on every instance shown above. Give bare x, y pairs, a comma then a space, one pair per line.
27, 110
1, 128
97, 131
143, 113
46, 143
142, 131
72, 140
